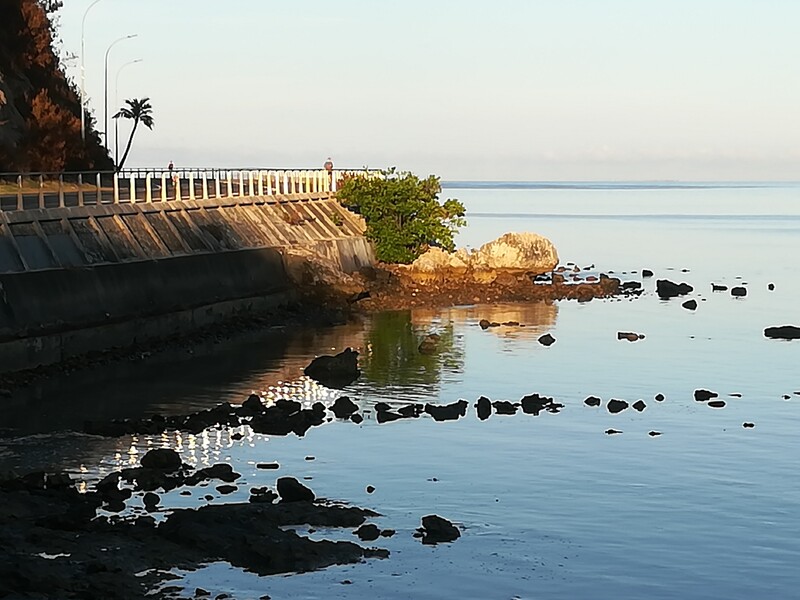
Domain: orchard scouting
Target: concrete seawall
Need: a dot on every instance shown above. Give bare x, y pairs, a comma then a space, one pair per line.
81, 279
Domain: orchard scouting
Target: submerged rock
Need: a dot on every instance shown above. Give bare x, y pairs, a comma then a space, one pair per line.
291, 490
592, 401
335, 371
163, 459
547, 340
783, 332
429, 344
437, 530
739, 291
447, 412
368, 532
343, 407
669, 289
690, 304
484, 408
704, 395
615, 406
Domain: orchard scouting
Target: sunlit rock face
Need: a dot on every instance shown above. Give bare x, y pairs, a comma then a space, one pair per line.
505, 259
528, 252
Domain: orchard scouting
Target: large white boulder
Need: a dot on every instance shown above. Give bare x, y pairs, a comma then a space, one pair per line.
528, 252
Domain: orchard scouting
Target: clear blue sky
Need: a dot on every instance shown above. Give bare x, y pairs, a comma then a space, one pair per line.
466, 89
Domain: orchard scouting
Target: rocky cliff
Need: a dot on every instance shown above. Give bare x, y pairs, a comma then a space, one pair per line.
39, 107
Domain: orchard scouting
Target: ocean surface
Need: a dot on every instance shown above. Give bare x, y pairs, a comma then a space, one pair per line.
550, 506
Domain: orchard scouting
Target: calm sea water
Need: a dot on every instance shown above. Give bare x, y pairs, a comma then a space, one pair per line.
550, 506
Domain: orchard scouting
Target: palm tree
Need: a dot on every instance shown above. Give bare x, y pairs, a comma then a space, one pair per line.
141, 112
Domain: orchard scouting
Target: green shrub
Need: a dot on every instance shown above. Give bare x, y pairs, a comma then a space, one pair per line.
403, 214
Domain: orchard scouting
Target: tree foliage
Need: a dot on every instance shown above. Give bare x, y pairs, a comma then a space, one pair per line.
403, 213
39, 107
139, 111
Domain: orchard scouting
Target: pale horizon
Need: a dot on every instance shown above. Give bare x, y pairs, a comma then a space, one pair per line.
512, 90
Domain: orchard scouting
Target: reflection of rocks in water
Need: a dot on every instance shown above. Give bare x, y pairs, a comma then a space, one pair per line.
411, 349
506, 320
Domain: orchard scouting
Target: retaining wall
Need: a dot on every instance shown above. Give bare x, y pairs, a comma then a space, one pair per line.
74, 280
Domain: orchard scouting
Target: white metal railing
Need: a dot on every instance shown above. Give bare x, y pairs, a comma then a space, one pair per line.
46, 190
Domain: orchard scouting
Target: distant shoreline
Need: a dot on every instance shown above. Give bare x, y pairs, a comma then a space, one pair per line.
616, 185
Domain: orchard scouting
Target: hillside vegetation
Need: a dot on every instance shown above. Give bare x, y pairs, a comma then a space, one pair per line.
40, 124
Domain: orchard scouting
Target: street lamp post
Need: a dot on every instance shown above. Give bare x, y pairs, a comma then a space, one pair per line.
105, 84
83, 72
116, 103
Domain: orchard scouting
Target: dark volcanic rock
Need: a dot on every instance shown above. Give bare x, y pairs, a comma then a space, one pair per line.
739, 291
748, 425
783, 332
272, 465
385, 416
357, 418
484, 408
771, 287
448, 412
484, 323
690, 304
436, 530
335, 371
411, 410
343, 407
718, 288
592, 401
253, 405
659, 398
639, 405
533, 404
163, 459
615, 406
717, 403
291, 490
504, 407
669, 289
151, 500
647, 273
368, 532
704, 395
547, 340
653, 433
612, 431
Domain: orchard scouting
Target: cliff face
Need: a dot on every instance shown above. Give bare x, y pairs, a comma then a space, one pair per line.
40, 125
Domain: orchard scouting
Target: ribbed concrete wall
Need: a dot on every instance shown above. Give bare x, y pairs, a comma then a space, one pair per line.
78, 279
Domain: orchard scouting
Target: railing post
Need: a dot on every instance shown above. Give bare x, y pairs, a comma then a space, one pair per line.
19, 192
132, 181
286, 182
230, 183
205, 186
116, 187
176, 180
308, 182
191, 185
216, 185
241, 184
148, 190
333, 180
61, 190
99, 189
269, 184
80, 189
250, 181
261, 183
163, 187
41, 191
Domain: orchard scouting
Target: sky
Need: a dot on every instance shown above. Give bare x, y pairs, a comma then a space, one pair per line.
520, 90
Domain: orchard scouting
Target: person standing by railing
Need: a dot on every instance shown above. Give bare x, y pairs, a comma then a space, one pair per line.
328, 166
